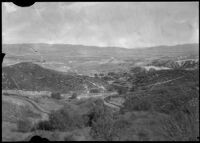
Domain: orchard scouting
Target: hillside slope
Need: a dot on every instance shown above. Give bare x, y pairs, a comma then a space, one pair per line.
177, 64
30, 76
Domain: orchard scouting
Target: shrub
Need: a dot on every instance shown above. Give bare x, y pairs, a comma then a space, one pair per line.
120, 89
28, 112
55, 95
96, 75
44, 125
102, 128
63, 119
24, 125
102, 122
143, 106
110, 88
111, 74
119, 128
183, 124
69, 138
95, 90
74, 96
101, 74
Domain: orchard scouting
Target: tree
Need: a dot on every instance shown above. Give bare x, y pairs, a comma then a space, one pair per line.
94, 90
121, 89
96, 75
111, 74
101, 74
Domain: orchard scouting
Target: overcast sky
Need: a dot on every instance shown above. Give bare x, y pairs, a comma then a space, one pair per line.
121, 24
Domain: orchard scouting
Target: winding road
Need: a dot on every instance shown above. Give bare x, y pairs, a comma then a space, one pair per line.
109, 104
112, 105
99, 95
163, 82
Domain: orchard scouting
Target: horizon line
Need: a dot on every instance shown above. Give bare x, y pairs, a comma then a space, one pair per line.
99, 46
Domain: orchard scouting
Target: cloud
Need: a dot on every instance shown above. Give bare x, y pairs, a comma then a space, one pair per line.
123, 24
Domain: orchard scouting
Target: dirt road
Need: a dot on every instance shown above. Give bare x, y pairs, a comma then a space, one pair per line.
33, 103
163, 82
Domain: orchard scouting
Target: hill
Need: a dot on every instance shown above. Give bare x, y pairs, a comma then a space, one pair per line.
177, 64
29, 76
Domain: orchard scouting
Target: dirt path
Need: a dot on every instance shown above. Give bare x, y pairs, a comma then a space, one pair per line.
163, 82
112, 105
33, 103
109, 104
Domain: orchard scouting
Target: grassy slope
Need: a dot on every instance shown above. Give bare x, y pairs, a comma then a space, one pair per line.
176, 100
29, 76
166, 112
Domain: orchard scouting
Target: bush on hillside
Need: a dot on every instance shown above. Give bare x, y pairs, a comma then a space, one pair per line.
63, 119
164, 99
121, 89
69, 138
74, 96
56, 95
44, 125
181, 127
24, 125
102, 122
26, 111
102, 128
94, 90
110, 88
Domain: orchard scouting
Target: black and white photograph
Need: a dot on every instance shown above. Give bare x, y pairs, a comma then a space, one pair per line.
100, 71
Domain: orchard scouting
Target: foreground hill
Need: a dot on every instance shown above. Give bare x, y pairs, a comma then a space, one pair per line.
30, 76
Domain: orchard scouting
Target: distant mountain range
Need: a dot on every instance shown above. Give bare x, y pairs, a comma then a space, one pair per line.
93, 51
